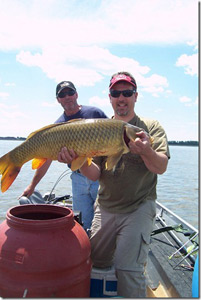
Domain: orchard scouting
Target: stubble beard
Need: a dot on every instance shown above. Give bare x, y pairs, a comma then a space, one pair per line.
121, 114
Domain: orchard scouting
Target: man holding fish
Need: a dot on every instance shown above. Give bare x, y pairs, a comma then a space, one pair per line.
125, 206
84, 190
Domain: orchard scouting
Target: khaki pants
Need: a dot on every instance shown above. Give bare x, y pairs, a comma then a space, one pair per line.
123, 240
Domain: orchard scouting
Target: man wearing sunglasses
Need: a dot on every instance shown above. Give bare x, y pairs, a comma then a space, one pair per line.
125, 207
84, 190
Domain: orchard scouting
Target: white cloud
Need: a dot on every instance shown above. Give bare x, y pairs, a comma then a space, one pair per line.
48, 104
85, 65
154, 22
3, 106
74, 41
155, 84
98, 101
88, 65
10, 84
10, 112
35, 24
4, 95
189, 62
194, 44
185, 99
188, 101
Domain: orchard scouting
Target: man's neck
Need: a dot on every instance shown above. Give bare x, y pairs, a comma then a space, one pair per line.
124, 118
73, 112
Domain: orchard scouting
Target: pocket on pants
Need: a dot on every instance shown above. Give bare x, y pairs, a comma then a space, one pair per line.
144, 248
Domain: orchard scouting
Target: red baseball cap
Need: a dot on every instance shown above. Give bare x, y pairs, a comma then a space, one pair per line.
122, 77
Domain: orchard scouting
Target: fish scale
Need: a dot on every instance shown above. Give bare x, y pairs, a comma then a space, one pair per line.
88, 138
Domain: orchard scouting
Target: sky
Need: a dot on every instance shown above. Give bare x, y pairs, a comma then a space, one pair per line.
43, 42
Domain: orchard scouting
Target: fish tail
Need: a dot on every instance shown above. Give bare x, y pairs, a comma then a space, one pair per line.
9, 172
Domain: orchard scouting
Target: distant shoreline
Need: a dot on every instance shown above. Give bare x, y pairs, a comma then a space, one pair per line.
183, 143
11, 138
172, 143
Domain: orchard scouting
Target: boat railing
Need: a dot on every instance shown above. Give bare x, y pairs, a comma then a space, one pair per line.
183, 244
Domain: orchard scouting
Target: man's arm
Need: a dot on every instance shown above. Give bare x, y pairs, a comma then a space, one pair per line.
156, 162
92, 172
36, 179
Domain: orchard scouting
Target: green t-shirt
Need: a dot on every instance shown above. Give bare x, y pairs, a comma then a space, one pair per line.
122, 190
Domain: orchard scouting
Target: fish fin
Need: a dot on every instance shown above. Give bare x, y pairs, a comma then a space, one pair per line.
45, 128
89, 160
113, 160
38, 162
78, 163
151, 140
9, 172
52, 126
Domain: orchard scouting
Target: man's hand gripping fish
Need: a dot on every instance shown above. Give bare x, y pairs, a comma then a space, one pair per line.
88, 138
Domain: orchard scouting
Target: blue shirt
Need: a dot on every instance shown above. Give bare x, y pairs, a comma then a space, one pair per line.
86, 112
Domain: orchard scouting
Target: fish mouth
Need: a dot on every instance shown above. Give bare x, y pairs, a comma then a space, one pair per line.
126, 138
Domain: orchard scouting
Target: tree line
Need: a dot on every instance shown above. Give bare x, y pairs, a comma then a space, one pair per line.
183, 143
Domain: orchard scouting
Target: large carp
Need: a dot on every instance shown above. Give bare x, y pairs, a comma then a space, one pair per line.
88, 138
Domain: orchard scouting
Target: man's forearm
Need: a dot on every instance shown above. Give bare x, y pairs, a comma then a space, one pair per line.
92, 172
156, 162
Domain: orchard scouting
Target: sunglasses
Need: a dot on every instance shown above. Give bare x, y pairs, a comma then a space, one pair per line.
63, 94
125, 93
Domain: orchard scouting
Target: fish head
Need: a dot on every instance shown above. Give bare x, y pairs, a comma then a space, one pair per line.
130, 133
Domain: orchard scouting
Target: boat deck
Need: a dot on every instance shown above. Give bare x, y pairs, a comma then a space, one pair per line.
173, 275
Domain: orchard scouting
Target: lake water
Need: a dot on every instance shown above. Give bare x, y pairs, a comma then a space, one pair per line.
177, 188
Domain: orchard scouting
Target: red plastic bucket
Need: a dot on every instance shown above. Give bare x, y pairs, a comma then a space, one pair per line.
44, 252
